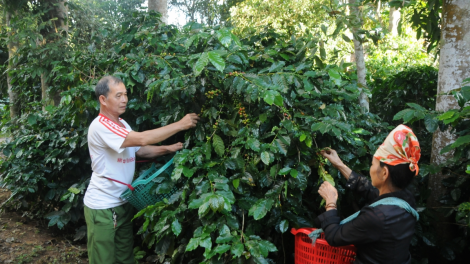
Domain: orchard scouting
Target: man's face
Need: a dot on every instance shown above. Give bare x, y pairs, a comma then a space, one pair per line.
117, 98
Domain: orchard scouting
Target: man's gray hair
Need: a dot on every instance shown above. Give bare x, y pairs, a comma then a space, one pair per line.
102, 87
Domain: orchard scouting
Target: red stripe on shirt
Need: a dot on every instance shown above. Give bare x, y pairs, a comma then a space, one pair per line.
115, 125
108, 119
113, 130
112, 126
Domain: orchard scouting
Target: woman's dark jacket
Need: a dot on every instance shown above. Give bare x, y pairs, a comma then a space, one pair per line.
381, 234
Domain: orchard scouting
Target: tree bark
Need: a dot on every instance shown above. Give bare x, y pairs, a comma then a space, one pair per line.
160, 6
61, 12
58, 11
454, 67
44, 95
377, 12
12, 48
356, 14
394, 18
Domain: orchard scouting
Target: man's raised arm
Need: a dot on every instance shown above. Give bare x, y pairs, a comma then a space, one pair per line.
154, 136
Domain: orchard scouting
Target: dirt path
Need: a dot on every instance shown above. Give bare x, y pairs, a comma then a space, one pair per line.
30, 241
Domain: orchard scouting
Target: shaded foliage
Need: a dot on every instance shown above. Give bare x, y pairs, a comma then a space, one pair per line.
417, 85
455, 200
268, 104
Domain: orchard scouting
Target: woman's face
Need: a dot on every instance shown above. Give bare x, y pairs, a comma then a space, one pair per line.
375, 171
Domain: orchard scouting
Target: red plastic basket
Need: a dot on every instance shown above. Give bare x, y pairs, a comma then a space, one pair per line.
305, 253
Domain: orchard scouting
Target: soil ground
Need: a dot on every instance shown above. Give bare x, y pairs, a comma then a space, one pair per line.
23, 240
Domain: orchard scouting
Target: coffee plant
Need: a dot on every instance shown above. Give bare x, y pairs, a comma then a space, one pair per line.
251, 163
47, 164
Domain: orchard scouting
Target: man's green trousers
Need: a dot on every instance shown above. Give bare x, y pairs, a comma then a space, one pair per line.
108, 243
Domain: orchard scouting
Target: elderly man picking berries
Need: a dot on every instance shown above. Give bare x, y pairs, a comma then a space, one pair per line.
113, 148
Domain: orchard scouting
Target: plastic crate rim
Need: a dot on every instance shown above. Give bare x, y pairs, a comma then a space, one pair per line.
158, 172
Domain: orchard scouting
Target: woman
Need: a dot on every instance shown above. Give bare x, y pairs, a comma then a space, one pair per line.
381, 233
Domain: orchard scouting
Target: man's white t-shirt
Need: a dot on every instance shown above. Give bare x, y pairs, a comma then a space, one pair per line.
108, 159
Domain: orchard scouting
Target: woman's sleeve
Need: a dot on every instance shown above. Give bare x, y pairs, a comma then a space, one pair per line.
361, 185
366, 228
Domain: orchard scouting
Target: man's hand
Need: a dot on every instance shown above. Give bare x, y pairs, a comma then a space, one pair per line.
175, 147
188, 121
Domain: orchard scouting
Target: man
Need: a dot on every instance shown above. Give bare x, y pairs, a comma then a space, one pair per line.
113, 147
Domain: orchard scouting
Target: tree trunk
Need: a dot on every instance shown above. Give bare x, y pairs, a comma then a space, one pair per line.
356, 14
12, 47
377, 12
44, 95
160, 6
454, 67
348, 32
61, 12
394, 18
58, 11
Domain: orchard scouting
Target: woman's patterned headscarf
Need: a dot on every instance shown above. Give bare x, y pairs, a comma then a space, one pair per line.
401, 146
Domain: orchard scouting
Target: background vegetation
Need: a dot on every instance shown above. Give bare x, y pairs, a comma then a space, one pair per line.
272, 90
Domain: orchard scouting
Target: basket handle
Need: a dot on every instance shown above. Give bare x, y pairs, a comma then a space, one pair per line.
306, 231
136, 183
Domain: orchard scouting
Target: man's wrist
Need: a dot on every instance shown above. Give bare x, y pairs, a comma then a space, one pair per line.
169, 149
179, 126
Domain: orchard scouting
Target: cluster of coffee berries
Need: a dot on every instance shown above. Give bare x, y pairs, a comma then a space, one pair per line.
286, 115
246, 157
169, 54
235, 73
243, 115
216, 124
211, 94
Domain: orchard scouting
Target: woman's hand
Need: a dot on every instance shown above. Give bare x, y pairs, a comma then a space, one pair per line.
328, 192
332, 156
